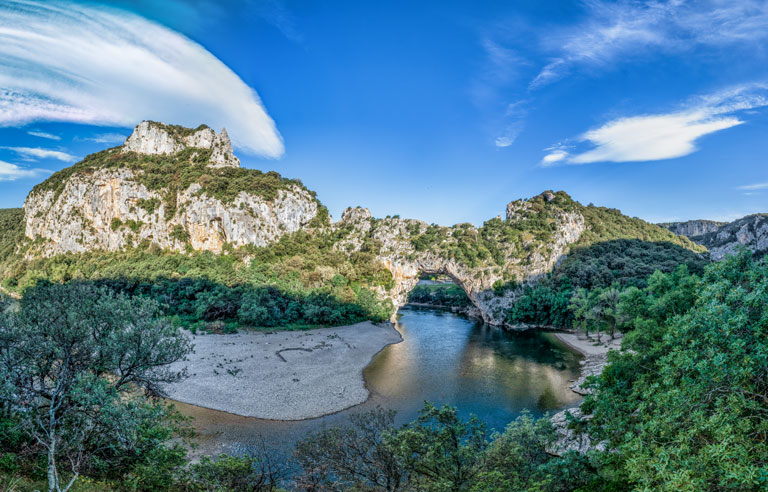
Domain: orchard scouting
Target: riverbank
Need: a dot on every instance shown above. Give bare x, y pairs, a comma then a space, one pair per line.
595, 355
289, 375
595, 358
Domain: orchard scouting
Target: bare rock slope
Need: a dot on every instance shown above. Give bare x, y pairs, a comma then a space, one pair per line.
126, 196
182, 190
723, 239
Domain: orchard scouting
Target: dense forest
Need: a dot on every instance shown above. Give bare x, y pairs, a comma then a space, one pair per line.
298, 282
682, 407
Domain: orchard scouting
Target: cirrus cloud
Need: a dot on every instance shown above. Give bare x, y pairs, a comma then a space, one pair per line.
38, 133
32, 153
61, 61
660, 136
12, 172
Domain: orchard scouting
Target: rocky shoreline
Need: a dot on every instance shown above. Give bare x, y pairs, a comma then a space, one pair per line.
595, 359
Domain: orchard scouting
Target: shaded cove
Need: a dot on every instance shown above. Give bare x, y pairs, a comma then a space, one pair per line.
443, 358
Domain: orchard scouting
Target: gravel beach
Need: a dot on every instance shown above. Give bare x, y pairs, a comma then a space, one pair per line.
287, 375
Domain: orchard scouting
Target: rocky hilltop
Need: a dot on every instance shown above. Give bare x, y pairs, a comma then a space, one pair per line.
167, 186
151, 138
179, 191
502, 252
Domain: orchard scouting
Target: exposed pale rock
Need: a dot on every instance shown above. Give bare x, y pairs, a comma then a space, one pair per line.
693, 228
406, 264
153, 138
103, 210
569, 439
750, 232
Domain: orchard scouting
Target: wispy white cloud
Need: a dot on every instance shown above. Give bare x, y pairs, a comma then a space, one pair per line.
506, 140
12, 172
628, 29
660, 136
62, 61
554, 156
38, 153
106, 138
277, 14
754, 186
49, 136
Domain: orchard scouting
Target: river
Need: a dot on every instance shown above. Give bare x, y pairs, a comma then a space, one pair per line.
443, 358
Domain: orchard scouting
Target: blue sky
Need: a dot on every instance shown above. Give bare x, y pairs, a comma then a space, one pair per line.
442, 111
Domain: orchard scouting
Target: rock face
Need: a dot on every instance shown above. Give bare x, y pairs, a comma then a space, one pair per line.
750, 232
153, 138
110, 209
569, 439
407, 263
693, 228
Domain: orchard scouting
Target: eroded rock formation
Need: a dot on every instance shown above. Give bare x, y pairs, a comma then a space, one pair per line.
519, 262
750, 232
152, 138
111, 209
693, 228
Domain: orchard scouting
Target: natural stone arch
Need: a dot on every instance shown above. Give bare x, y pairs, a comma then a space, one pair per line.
393, 237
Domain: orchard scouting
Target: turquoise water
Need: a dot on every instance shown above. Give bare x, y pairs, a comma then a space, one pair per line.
444, 358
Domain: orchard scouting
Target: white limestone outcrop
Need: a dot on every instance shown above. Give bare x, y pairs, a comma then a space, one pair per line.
154, 138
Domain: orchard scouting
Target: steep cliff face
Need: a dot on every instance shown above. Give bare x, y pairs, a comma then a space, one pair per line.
182, 190
514, 255
726, 238
152, 138
750, 232
104, 207
692, 228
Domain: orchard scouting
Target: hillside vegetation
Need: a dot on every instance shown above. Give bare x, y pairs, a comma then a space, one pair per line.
681, 408
311, 277
168, 174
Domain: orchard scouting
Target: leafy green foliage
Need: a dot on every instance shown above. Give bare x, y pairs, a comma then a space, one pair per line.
299, 280
148, 204
542, 305
684, 408
358, 456
170, 174
518, 460
602, 270
71, 358
234, 474
11, 231
624, 262
439, 451
447, 295
442, 451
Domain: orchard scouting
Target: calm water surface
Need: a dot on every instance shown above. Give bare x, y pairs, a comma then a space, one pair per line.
443, 358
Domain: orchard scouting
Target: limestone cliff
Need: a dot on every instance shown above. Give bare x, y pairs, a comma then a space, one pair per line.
726, 238
128, 196
693, 228
750, 232
182, 190
410, 248
152, 138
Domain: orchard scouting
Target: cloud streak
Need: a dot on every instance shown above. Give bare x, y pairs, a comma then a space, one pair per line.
61, 61
38, 153
49, 136
754, 186
106, 138
12, 172
660, 136
623, 29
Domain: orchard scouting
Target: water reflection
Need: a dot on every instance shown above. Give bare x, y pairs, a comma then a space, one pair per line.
444, 358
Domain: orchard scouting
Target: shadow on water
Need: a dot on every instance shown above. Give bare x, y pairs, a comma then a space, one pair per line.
444, 358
